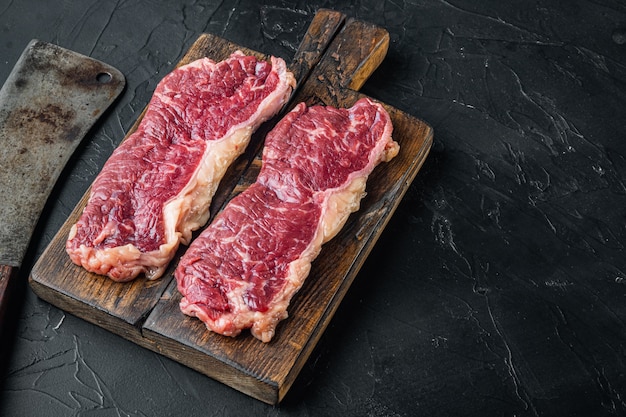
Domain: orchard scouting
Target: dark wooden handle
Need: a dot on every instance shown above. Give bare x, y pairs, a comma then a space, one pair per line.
6, 273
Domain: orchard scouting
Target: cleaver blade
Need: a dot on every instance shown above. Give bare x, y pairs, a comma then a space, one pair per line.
50, 100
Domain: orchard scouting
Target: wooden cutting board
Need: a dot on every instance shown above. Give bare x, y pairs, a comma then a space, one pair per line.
335, 59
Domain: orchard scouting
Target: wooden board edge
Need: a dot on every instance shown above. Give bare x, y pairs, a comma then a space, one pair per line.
99, 317
228, 373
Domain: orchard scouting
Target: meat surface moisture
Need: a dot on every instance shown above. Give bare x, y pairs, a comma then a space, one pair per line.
156, 187
243, 270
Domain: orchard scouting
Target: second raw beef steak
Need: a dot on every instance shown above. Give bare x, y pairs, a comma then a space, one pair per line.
243, 270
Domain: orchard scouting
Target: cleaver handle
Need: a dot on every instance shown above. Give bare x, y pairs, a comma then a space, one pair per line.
6, 272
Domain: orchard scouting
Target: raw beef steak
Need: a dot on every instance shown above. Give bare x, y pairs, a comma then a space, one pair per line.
243, 270
157, 186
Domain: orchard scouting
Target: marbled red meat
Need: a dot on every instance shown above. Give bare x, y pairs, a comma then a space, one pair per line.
157, 186
243, 270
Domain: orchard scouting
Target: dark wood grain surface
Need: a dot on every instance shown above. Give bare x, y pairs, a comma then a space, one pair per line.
147, 313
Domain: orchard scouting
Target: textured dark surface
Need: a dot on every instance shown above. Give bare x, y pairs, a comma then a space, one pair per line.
498, 287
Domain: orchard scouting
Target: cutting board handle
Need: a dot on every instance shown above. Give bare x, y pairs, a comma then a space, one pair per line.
322, 29
358, 51
351, 58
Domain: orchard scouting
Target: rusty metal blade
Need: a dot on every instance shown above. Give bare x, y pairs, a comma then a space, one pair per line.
50, 100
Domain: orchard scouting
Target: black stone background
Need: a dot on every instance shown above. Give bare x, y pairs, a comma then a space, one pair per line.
498, 287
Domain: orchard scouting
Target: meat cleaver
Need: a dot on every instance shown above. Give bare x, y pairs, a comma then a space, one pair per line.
48, 103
